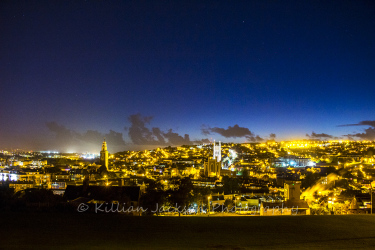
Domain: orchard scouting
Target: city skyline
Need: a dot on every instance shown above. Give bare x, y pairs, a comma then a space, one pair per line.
149, 74
159, 124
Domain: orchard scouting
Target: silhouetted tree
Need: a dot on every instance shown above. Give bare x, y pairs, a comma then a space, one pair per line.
310, 180
228, 203
231, 185
181, 197
154, 199
200, 196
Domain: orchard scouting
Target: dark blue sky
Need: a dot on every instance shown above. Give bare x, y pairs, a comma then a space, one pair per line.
283, 67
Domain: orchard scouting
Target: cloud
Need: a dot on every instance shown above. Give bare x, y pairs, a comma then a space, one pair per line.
64, 137
139, 133
232, 132
62, 133
202, 141
318, 136
115, 138
206, 141
272, 136
362, 123
92, 136
158, 134
142, 135
176, 139
70, 140
205, 130
256, 138
369, 133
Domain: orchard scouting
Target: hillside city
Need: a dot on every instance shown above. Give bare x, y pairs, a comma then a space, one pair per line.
308, 177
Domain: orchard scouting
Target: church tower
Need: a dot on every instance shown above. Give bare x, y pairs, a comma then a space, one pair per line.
104, 155
213, 166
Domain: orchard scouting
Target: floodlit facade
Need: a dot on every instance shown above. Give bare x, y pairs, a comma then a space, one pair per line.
292, 190
104, 155
213, 166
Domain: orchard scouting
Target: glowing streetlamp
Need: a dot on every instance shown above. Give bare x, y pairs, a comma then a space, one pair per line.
106, 180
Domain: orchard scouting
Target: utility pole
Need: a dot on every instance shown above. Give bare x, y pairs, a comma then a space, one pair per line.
372, 186
209, 205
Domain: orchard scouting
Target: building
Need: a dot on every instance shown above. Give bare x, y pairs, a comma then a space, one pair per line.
213, 166
292, 196
129, 195
104, 155
21, 185
292, 190
291, 206
293, 161
276, 208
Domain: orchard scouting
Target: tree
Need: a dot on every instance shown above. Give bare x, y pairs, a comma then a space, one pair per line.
6, 196
102, 171
181, 197
310, 180
200, 196
333, 160
39, 196
266, 178
245, 173
229, 204
231, 185
331, 170
360, 174
343, 183
154, 199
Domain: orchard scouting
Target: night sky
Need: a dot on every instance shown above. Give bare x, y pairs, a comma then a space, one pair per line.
144, 74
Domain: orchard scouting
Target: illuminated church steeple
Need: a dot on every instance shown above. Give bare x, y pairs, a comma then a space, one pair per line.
104, 155
213, 166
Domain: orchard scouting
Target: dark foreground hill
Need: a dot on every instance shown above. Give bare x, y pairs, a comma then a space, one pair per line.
105, 231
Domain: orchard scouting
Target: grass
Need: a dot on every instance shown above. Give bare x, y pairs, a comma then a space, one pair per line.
106, 231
